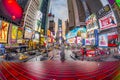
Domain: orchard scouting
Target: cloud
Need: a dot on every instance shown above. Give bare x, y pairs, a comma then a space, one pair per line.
59, 8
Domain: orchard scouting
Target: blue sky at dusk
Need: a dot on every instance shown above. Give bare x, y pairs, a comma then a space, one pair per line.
59, 9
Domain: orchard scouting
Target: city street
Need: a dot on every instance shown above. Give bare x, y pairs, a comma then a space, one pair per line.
59, 39
69, 56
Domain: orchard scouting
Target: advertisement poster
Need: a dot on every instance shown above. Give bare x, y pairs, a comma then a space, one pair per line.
103, 40
37, 36
28, 33
92, 40
3, 31
96, 37
71, 40
75, 31
91, 22
112, 40
20, 33
108, 21
87, 42
14, 32
79, 40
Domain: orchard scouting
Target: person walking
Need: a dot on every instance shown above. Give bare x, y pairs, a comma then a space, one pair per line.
62, 53
84, 53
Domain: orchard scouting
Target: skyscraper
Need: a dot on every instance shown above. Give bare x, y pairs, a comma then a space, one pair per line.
44, 10
94, 5
30, 13
76, 13
22, 3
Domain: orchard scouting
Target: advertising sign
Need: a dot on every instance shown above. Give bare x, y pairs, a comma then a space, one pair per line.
14, 32
37, 36
28, 33
91, 23
96, 37
20, 33
3, 31
71, 40
111, 1
108, 21
75, 31
103, 40
112, 40
105, 10
79, 40
92, 40
118, 3
87, 42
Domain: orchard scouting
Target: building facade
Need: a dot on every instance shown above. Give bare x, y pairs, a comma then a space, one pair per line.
44, 10
76, 13
30, 14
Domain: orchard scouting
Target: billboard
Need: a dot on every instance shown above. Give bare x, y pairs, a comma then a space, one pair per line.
103, 40
4, 31
91, 22
14, 32
74, 32
92, 40
96, 36
20, 33
108, 21
37, 36
112, 40
87, 42
28, 33
79, 40
71, 40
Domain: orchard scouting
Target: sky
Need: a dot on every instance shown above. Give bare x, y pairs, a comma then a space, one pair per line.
59, 9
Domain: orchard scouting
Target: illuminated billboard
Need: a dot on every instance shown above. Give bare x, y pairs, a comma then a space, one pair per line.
3, 31
28, 33
14, 32
20, 33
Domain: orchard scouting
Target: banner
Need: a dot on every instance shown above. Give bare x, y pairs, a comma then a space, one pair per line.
75, 32
108, 21
14, 32
3, 31
79, 40
112, 40
103, 40
71, 40
92, 41
96, 37
36, 37
91, 22
87, 42
20, 33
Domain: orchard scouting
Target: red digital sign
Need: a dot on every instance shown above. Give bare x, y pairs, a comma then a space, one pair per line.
112, 40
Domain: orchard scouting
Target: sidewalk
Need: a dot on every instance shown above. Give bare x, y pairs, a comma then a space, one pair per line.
16, 57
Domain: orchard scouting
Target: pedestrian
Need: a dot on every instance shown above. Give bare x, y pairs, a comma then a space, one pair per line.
62, 53
84, 53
